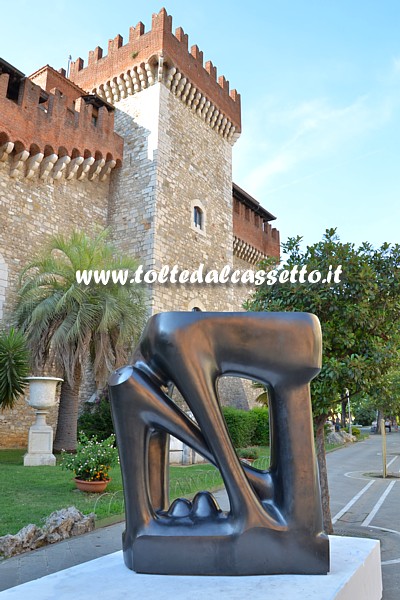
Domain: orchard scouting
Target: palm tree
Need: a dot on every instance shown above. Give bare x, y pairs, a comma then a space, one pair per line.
66, 322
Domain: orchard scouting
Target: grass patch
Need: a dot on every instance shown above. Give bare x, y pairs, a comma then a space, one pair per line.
30, 494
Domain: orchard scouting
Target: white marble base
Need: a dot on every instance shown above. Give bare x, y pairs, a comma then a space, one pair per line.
40, 443
355, 575
38, 460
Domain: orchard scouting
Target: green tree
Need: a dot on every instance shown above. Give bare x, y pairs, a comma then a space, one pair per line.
385, 395
66, 321
359, 316
364, 411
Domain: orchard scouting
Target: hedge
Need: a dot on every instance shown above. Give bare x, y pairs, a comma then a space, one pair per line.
247, 427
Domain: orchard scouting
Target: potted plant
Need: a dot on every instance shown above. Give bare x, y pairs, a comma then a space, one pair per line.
91, 462
248, 455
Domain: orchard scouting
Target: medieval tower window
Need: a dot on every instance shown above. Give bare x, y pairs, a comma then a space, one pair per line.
196, 305
198, 216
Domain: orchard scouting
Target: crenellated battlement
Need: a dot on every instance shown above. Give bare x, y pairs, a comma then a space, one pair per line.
47, 134
161, 56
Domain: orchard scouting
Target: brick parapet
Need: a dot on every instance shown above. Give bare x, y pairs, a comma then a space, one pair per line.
48, 79
160, 55
51, 139
254, 238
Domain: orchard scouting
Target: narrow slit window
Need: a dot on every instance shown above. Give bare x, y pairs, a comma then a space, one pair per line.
198, 217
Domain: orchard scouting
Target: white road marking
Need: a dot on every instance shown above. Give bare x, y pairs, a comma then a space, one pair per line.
377, 506
351, 475
352, 501
392, 461
384, 529
395, 561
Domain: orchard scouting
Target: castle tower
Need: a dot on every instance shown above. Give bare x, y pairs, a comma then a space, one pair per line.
171, 201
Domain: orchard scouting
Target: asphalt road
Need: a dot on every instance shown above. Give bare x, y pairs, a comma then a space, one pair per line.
363, 504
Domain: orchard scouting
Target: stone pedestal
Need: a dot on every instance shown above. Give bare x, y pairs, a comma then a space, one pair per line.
355, 574
42, 393
40, 443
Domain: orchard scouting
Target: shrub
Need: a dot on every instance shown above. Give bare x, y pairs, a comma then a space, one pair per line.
247, 427
96, 417
261, 432
250, 452
354, 430
239, 427
93, 459
14, 366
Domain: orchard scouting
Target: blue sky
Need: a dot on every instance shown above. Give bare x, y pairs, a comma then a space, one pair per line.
320, 88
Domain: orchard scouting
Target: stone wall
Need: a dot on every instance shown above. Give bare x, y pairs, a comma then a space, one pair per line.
132, 190
15, 423
194, 168
173, 161
31, 211
243, 291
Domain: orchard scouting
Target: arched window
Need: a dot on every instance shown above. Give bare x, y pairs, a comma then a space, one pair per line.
198, 218
196, 305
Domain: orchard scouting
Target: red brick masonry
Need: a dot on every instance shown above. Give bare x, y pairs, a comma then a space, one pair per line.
143, 47
55, 126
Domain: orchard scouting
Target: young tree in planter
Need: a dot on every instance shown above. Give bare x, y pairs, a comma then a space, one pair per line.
65, 321
14, 366
359, 315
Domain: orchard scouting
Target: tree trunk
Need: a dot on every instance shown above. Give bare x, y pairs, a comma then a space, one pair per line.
378, 422
323, 473
67, 424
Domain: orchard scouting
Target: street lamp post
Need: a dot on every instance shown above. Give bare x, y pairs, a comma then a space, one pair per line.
349, 409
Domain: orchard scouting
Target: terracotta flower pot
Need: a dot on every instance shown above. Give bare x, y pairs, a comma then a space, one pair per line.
94, 487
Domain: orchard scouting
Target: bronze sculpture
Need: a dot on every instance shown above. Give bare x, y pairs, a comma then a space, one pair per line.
275, 522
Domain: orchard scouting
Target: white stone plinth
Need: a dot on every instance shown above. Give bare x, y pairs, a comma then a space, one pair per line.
40, 443
355, 575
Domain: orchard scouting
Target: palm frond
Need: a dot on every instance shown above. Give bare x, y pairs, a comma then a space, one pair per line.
64, 320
